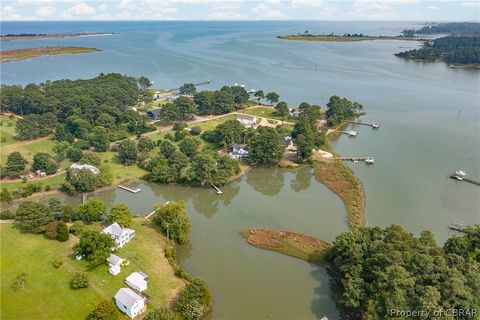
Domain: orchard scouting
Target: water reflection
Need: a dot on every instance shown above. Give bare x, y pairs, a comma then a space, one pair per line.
268, 182
303, 179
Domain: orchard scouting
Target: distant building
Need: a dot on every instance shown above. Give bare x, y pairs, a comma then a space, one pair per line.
154, 114
157, 95
288, 142
294, 112
137, 281
120, 235
247, 120
129, 302
92, 169
114, 262
238, 151
322, 122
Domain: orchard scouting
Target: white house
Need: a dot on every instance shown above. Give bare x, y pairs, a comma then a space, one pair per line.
129, 302
92, 169
137, 281
114, 262
238, 151
288, 142
246, 119
120, 235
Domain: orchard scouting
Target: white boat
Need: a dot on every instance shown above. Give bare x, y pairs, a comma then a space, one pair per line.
452, 66
355, 161
460, 175
375, 125
369, 161
352, 133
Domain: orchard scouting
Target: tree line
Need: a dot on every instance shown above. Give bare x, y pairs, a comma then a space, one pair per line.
453, 28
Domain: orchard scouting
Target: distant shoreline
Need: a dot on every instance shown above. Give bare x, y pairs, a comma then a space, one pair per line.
345, 38
30, 53
13, 37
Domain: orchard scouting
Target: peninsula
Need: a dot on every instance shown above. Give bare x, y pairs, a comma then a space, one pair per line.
347, 37
29, 53
40, 36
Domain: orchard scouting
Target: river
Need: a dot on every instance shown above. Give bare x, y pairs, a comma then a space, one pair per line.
430, 117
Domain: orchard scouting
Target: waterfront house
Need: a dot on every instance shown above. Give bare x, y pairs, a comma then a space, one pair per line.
288, 142
154, 114
238, 151
129, 302
157, 95
114, 262
120, 235
89, 167
137, 281
247, 120
294, 112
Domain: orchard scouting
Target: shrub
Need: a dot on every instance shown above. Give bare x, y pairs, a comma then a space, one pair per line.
170, 254
51, 230
105, 310
194, 301
7, 215
28, 190
180, 273
47, 188
62, 231
77, 228
19, 282
6, 196
57, 262
79, 280
161, 314
196, 130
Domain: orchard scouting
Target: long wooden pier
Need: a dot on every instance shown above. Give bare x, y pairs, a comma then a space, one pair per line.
366, 159
457, 227
151, 213
195, 84
374, 125
454, 176
128, 189
217, 189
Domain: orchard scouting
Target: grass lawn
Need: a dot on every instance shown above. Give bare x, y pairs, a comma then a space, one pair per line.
47, 294
265, 112
7, 129
119, 171
26, 148
211, 124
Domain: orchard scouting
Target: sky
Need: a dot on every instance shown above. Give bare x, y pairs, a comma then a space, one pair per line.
406, 10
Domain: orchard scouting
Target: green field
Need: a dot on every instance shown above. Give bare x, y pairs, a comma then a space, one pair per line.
47, 294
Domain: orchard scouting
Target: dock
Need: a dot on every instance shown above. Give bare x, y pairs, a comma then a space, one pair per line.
195, 84
151, 213
350, 133
128, 189
462, 176
457, 227
219, 192
374, 125
370, 160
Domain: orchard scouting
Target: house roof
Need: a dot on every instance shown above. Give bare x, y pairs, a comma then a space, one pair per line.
113, 229
246, 117
238, 146
114, 259
155, 112
136, 279
127, 297
93, 169
144, 275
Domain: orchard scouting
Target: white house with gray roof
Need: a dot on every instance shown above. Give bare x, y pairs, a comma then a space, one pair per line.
120, 235
137, 281
115, 263
129, 302
246, 120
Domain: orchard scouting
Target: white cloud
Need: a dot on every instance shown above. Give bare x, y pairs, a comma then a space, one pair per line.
308, 3
45, 12
103, 7
471, 4
433, 7
81, 9
266, 11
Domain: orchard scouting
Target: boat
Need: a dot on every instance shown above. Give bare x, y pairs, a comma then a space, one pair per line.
369, 161
452, 66
375, 125
355, 161
352, 133
460, 175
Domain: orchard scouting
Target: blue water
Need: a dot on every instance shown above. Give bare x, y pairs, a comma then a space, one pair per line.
430, 117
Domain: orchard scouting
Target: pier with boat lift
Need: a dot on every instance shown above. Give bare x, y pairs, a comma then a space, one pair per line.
129, 189
151, 213
458, 227
218, 191
350, 133
461, 175
374, 125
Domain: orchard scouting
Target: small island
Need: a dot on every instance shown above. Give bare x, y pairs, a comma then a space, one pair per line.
40, 36
347, 37
29, 53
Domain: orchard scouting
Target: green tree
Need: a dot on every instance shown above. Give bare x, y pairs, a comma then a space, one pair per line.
82, 180
6, 197
281, 109
51, 230
188, 146
204, 167
33, 216
188, 89
127, 152
92, 210
185, 107
172, 218
55, 206
62, 231
60, 148
91, 158
223, 102
74, 154
167, 149
15, 165
145, 144
204, 101
121, 214
144, 83
266, 147
105, 120
79, 280
99, 139
272, 97
95, 247
106, 310
43, 161
259, 95
194, 302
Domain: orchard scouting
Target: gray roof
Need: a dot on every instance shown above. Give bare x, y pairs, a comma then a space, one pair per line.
155, 112
246, 117
114, 259
127, 297
145, 276
113, 229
